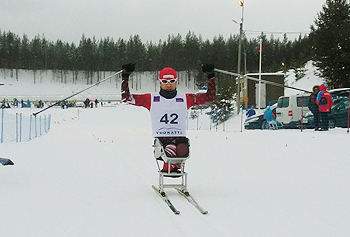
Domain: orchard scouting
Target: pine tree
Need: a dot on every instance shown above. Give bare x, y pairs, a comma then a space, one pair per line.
331, 43
136, 51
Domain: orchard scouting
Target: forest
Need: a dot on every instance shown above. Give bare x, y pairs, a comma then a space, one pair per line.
181, 53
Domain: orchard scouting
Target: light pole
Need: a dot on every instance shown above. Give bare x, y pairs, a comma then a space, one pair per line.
238, 101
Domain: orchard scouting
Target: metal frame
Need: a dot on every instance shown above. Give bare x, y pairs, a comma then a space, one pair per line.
160, 156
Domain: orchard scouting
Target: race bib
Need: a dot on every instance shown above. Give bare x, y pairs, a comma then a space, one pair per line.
168, 116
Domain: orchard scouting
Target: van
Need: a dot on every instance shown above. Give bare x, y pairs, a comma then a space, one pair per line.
291, 108
340, 92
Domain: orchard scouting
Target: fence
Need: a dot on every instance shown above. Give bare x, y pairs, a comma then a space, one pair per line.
19, 128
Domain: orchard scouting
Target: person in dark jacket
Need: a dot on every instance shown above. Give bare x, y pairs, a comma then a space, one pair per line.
313, 106
325, 102
87, 103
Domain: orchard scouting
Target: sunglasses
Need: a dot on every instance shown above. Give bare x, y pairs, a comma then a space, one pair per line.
171, 81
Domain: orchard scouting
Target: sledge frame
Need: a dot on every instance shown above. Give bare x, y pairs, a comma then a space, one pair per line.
166, 179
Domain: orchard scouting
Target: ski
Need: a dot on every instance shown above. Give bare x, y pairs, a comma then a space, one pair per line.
166, 200
191, 200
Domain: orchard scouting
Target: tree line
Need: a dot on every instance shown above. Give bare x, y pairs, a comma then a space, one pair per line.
181, 53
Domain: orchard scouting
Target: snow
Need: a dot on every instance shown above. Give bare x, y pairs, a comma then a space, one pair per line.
306, 83
49, 85
91, 175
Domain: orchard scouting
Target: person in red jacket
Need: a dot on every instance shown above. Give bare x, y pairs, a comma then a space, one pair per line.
324, 101
168, 108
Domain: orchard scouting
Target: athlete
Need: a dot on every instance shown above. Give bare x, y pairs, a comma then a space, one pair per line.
168, 108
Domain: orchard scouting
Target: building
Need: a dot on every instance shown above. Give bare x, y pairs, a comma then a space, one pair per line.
269, 93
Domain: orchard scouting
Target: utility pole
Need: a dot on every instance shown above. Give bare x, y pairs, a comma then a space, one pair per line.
238, 93
239, 69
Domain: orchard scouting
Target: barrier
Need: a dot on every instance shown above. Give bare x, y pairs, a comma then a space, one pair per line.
19, 128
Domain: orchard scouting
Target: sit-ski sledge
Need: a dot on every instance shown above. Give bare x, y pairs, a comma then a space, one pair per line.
178, 179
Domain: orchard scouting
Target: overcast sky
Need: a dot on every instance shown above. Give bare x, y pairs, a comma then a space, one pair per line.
153, 20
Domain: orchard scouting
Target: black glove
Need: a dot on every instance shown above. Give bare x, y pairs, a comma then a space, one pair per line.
128, 69
208, 69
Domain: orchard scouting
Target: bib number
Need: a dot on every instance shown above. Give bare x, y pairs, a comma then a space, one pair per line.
172, 119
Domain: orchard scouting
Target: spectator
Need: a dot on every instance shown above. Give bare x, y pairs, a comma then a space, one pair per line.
324, 101
250, 112
313, 106
87, 102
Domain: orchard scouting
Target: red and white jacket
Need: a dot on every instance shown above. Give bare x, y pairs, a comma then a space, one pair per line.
324, 99
144, 100
147, 100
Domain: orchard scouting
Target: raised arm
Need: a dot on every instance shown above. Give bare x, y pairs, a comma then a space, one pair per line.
143, 100
125, 92
210, 95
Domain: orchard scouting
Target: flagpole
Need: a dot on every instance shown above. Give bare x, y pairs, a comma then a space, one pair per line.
259, 94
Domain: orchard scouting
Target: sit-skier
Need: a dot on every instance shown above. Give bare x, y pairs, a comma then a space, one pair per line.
168, 108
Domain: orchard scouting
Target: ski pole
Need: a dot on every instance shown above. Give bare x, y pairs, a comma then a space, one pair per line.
35, 114
255, 79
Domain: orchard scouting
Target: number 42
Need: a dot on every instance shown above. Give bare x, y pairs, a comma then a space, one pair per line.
173, 119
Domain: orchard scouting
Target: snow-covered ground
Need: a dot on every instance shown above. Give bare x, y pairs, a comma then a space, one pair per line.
56, 85
48, 86
91, 175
